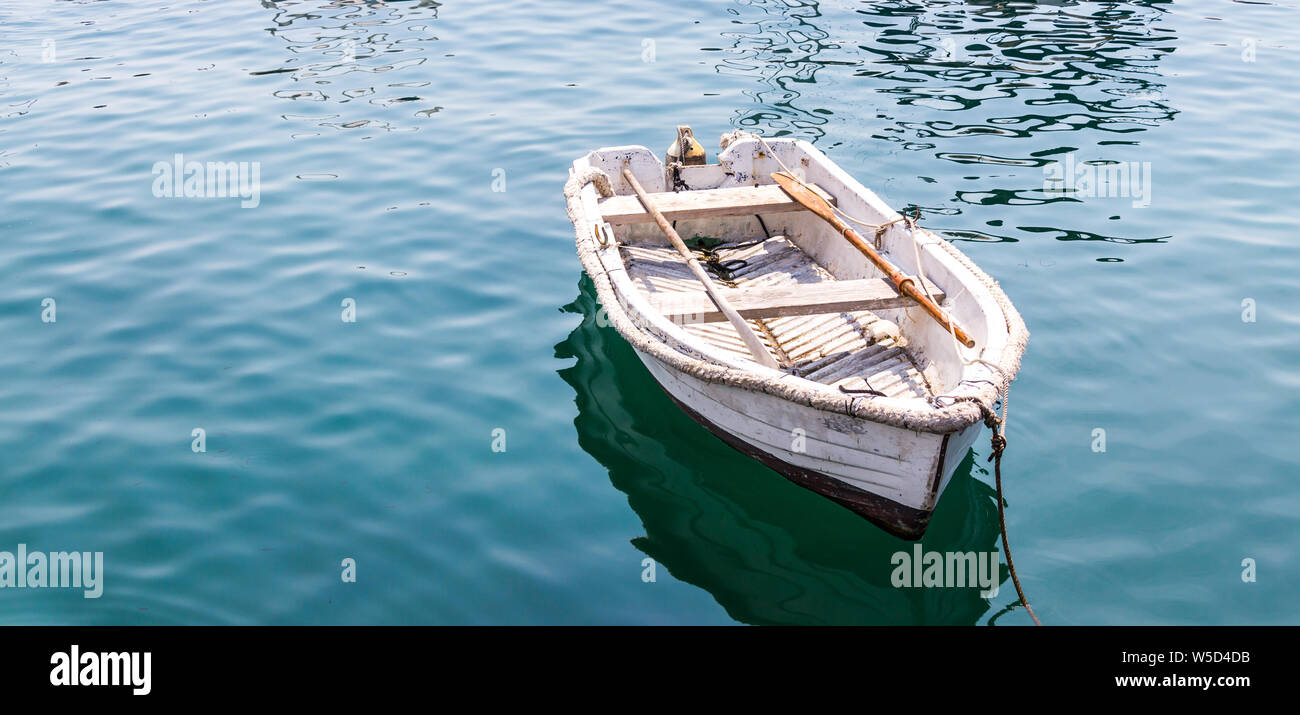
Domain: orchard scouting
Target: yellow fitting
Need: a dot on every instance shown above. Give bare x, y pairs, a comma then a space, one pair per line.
694, 154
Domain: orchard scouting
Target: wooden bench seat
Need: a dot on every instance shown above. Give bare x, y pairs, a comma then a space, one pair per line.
782, 301
704, 203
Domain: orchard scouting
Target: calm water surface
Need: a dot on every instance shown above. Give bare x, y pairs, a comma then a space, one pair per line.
381, 131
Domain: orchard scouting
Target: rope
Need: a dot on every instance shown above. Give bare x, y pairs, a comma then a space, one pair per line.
714, 262
675, 170
999, 443
879, 227
723, 269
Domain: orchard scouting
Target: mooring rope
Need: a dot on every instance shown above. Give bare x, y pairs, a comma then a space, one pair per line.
999, 443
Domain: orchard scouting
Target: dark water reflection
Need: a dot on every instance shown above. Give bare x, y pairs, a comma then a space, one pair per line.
1002, 86
351, 57
781, 46
767, 550
1097, 61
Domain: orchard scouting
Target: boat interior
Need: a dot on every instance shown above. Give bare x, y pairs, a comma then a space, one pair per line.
825, 312
837, 348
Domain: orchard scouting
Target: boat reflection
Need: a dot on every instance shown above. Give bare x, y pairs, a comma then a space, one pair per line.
767, 550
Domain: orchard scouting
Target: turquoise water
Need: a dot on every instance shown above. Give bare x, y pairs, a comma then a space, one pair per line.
384, 133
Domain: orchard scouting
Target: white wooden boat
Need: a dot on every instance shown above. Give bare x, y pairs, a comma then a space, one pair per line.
871, 402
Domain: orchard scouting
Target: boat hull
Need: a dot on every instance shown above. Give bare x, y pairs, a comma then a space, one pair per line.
890, 476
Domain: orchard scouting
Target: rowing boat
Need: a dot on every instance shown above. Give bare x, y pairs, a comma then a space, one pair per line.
783, 306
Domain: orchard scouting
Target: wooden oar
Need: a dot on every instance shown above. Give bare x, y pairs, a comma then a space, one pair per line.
906, 285
747, 334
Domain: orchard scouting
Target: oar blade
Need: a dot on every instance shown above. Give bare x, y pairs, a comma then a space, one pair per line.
804, 195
